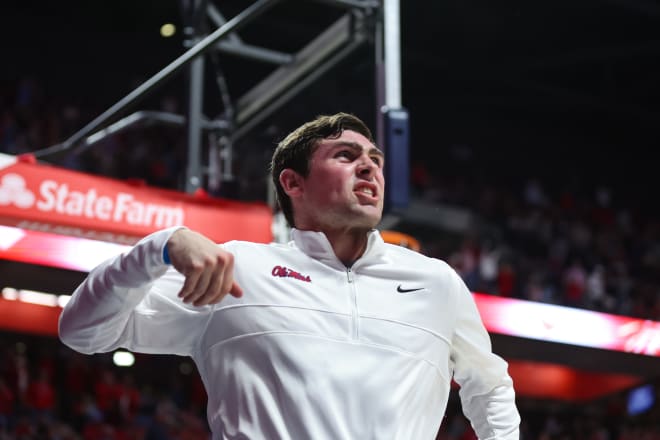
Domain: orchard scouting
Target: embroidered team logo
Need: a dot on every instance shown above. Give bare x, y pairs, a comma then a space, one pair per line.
285, 272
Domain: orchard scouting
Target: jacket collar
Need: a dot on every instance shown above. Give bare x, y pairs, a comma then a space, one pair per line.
316, 245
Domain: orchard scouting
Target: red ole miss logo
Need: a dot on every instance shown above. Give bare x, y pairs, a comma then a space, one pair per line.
285, 272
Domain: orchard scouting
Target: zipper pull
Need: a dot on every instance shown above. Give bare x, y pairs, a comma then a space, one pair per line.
349, 274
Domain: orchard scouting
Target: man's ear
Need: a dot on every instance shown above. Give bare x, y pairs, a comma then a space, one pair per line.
291, 182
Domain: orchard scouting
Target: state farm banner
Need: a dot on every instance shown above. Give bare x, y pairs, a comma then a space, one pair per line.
51, 199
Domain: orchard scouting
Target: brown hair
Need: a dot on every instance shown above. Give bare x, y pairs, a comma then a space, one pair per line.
296, 149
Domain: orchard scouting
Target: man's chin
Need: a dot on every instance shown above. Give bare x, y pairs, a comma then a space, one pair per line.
370, 219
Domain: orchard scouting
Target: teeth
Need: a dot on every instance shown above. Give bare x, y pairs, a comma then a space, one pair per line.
367, 191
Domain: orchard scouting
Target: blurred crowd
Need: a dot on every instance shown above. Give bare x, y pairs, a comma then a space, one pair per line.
33, 118
603, 419
536, 240
561, 246
48, 392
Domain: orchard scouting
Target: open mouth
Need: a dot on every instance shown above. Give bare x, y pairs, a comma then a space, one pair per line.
368, 191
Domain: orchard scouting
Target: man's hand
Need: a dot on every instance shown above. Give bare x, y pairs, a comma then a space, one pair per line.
208, 269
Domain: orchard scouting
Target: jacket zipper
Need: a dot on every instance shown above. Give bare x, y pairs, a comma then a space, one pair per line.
354, 306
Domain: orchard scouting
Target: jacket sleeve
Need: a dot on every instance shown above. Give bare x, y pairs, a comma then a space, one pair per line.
131, 301
486, 389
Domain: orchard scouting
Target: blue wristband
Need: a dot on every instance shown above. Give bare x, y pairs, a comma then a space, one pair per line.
166, 255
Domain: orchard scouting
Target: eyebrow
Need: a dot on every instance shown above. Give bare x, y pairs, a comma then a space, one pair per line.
357, 147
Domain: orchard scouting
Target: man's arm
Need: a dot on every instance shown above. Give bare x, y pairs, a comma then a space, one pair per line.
139, 302
486, 392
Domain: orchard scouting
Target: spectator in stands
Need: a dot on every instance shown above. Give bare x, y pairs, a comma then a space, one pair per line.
41, 396
7, 400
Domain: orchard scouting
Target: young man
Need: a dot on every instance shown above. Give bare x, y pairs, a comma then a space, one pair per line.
336, 335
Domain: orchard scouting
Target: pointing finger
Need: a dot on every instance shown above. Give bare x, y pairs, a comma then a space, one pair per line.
201, 288
189, 285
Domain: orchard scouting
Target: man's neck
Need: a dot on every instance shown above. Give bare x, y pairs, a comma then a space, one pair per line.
348, 246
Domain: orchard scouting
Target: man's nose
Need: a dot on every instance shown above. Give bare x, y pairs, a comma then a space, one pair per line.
366, 167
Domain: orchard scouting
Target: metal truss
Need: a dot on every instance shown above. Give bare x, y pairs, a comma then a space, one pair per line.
361, 21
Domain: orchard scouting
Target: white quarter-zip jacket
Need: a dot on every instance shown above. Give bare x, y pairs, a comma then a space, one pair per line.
313, 350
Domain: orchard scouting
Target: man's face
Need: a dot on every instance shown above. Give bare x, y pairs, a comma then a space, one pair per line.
345, 185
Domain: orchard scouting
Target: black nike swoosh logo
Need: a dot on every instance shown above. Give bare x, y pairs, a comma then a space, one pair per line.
402, 290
